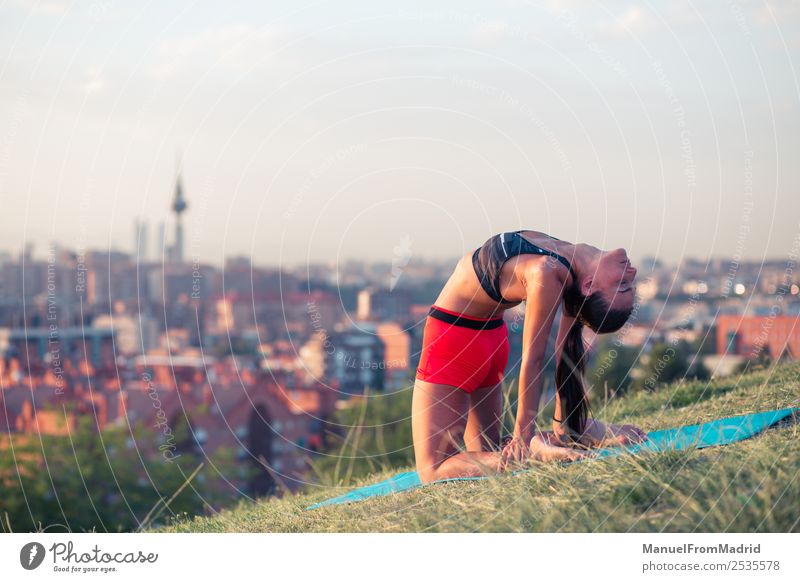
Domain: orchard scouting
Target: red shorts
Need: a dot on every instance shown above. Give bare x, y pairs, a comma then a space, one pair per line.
463, 351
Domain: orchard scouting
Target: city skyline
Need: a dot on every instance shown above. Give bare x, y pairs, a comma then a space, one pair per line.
153, 255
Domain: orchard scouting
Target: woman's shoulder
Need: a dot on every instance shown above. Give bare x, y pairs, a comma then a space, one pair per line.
541, 271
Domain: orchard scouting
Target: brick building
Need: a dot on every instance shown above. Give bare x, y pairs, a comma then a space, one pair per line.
749, 335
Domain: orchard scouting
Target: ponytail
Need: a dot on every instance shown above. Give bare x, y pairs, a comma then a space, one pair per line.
594, 312
569, 381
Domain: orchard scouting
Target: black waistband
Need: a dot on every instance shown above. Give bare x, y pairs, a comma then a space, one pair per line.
462, 321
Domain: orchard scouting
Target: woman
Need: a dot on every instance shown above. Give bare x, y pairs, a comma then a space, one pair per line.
457, 400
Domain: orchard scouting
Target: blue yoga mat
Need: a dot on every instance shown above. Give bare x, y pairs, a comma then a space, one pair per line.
715, 433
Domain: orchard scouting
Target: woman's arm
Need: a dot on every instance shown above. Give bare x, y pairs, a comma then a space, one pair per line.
543, 295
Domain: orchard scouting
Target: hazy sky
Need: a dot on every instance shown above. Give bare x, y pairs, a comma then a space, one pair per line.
324, 130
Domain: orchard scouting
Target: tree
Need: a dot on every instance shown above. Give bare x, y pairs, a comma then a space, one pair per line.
613, 364
668, 362
114, 480
760, 361
372, 434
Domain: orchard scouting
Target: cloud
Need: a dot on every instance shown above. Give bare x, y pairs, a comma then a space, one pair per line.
93, 82
680, 12
490, 32
634, 21
777, 11
44, 6
559, 6
235, 49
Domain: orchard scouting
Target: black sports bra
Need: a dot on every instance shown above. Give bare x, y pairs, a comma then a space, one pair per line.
488, 259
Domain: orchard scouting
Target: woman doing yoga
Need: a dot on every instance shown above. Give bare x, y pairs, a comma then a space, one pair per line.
457, 400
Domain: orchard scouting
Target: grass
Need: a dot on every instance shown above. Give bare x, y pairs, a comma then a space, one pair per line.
751, 486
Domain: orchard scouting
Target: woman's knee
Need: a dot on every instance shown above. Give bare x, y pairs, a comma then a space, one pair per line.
438, 420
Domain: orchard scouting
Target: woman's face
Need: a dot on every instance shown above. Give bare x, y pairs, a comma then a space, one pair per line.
614, 279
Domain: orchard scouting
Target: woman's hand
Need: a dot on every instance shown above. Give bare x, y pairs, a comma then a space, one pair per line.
515, 451
546, 446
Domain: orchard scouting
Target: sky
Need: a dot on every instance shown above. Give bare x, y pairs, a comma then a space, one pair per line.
327, 131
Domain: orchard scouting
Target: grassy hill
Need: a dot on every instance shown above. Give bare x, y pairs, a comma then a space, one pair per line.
744, 487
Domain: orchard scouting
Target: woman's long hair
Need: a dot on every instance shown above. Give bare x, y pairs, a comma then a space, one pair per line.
593, 312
